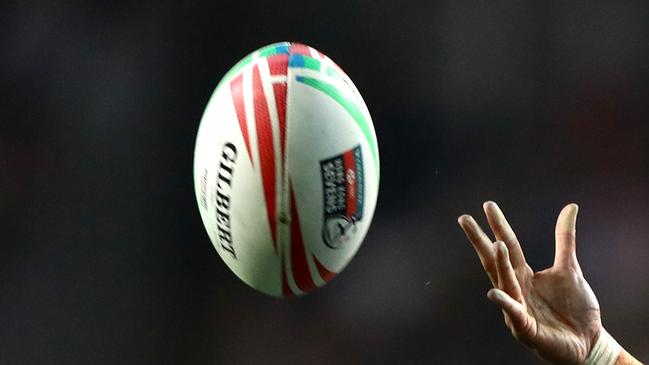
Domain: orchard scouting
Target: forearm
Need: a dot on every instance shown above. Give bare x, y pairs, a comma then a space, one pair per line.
626, 359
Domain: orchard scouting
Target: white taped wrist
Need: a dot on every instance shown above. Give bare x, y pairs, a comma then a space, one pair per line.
605, 350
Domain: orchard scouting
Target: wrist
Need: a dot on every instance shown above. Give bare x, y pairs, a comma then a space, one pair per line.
604, 351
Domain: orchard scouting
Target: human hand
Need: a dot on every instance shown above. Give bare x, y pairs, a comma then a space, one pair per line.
553, 311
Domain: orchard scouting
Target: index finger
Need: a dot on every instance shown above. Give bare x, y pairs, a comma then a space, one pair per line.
482, 245
503, 232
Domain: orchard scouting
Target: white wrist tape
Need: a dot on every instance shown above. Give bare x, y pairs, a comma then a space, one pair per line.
605, 350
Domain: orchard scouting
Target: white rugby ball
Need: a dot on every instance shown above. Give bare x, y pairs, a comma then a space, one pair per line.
286, 169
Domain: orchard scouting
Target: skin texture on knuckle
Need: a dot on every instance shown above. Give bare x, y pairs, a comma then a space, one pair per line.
512, 242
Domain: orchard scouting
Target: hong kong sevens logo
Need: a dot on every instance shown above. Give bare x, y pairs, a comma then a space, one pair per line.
342, 180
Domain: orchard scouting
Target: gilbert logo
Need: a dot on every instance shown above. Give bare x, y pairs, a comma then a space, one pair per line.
223, 197
342, 180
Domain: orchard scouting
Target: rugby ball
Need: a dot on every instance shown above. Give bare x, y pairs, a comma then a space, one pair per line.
286, 169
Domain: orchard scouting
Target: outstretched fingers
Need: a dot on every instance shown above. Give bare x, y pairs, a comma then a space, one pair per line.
482, 245
503, 232
509, 296
507, 280
565, 255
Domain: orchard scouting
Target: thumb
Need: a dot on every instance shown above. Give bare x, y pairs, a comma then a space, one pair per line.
565, 255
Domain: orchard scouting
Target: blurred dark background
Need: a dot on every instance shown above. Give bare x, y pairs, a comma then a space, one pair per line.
103, 256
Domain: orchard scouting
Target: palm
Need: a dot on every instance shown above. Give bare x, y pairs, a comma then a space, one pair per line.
554, 311
563, 314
